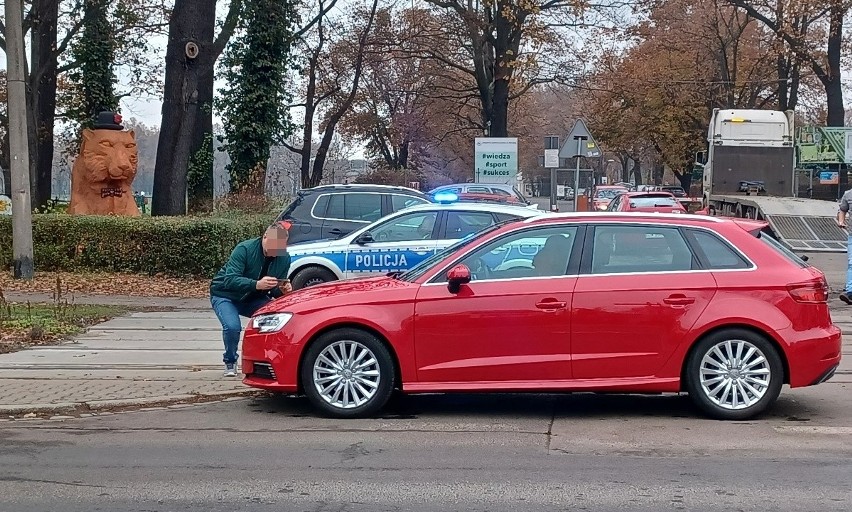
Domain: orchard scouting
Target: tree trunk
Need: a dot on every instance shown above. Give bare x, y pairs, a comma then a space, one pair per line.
833, 86
201, 191
184, 77
41, 99
45, 64
637, 171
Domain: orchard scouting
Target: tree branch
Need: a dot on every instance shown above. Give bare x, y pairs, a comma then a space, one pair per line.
228, 28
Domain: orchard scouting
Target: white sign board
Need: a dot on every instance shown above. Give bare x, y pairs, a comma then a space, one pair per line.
847, 157
496, 160
551, 158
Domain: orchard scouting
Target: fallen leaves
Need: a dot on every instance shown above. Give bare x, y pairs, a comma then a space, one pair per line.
106, 283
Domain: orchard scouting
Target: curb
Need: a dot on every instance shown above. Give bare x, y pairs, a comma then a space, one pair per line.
78, 409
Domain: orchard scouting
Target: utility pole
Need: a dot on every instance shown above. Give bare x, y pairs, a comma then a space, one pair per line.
579, 139
22, 219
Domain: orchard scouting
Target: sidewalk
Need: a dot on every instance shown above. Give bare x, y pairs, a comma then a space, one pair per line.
137, 359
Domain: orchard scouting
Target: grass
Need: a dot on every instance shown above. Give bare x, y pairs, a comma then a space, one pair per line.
28, 324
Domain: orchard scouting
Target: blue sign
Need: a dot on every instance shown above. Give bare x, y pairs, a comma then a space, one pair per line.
829, 178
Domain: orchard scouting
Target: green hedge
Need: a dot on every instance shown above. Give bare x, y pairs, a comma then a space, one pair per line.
176, 246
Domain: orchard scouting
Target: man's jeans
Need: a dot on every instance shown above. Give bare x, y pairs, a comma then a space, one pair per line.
849, 265
229, 312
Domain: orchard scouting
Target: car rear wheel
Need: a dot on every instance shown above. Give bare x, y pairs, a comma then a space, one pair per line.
348, 373
312, 276
734, 374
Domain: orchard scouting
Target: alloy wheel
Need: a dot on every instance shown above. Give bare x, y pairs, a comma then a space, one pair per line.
346, 374
734, 374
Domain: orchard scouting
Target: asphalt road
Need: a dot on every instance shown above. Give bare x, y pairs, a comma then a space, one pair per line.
443, 453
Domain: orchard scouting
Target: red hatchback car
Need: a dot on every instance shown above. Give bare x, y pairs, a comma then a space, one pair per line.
573, 302
647, 202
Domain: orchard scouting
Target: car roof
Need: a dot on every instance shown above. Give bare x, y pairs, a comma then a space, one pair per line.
649, 192
512, 208
361, 187
611, 186
626, 217
493, 185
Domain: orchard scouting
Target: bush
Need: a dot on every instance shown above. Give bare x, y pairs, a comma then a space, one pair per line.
176, 246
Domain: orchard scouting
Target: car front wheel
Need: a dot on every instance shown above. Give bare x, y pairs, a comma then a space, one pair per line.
312, 276
734, 374
348, 373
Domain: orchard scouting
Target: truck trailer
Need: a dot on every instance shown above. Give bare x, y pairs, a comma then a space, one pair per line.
749, 170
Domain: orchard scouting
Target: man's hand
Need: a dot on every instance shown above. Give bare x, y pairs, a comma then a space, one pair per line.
286, 287
267, 283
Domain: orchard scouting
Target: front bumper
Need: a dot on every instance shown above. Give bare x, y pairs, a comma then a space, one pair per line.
270, 362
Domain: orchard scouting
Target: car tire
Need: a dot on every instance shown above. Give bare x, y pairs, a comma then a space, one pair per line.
745, 363
312, 276
353, 382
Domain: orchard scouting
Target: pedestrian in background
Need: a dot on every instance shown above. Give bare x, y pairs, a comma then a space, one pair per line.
845, 203
255, 274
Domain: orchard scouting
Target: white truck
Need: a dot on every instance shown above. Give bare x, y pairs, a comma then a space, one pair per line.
749, 170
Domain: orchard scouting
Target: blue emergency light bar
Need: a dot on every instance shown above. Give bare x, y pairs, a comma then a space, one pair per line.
446, 197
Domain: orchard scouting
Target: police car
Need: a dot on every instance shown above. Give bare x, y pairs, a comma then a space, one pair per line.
398, 241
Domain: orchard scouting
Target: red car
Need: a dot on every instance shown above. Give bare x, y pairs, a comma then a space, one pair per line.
625, 302
648, 202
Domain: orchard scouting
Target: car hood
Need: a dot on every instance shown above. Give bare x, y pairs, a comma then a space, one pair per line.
352, 292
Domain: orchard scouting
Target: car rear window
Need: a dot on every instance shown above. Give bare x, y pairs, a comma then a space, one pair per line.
718, 255
781, 249
652, 201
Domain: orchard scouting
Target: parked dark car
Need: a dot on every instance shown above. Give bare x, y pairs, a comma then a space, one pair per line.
332, 211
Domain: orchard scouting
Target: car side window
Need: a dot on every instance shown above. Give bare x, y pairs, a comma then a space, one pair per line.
717, 253
631, 249
500, 192
363, 207
478, 190
320, 206
462, 224
400, 202
335, 207
532, 253
405, 228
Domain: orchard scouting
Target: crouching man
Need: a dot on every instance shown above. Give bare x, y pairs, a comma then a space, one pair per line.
255, 274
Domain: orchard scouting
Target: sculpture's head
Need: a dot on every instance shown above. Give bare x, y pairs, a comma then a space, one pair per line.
109, 155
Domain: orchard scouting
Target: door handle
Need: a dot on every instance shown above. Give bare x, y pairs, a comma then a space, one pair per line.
679, 300
551, 305
335, 231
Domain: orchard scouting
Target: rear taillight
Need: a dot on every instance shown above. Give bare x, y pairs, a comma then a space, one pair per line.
813, 292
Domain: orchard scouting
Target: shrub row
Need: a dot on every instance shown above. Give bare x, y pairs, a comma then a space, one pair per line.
175, 246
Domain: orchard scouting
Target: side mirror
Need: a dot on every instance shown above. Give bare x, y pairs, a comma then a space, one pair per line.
456, 277
364, 238
632, 205
700, 157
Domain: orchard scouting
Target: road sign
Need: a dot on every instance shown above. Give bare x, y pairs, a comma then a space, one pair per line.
496, 160
551, 158
589, 147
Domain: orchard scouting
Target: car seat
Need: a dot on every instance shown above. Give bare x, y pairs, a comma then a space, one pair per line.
552, 259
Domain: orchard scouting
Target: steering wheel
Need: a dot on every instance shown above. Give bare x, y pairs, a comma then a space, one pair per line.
382, 236
481, 269
514, 264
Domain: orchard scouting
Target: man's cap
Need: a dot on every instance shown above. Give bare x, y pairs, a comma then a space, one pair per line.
108, 121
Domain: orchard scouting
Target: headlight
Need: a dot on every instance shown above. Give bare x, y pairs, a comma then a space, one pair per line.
271, 323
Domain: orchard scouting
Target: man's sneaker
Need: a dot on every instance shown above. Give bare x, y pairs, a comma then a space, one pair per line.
845, 298
230, 370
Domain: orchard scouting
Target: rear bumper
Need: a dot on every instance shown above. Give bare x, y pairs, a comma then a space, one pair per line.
826, 376
813, 360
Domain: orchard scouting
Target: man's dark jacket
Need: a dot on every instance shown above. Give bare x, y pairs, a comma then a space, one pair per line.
237, 280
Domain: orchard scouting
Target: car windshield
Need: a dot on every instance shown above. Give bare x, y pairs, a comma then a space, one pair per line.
424, 266
652, 201
609, 193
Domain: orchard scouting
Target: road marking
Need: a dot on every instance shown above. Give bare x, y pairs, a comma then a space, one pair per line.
817, 430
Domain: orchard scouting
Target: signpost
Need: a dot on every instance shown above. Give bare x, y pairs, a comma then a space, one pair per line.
496, 160
586, 146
